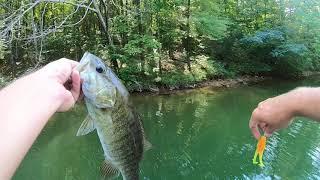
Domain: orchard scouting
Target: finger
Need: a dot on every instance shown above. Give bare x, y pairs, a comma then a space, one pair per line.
73, 63
268, 131
262, 125
254, 128
69, 61
81, 95
75, 91
68, 84
63, 69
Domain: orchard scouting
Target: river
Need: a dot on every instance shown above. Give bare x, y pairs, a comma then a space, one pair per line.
198, 134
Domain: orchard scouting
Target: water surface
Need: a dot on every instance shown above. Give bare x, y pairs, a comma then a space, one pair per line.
199, 134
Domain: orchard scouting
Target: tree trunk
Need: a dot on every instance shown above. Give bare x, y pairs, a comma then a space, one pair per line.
137, 5
158, 37
282, 12
188, 36
104, 18
34, 31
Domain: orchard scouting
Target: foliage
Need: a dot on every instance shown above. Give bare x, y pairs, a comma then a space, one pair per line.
208, 21
165, 43
3, 81
2, 44
292, 59
264, 38
203, 68
272, 51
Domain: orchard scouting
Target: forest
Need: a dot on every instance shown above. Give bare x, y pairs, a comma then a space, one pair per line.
164, 43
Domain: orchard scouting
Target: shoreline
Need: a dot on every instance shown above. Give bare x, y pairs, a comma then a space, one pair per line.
166, 89
214, 83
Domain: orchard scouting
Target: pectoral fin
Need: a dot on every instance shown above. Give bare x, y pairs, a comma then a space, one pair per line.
146, 145
108, 170
86, 126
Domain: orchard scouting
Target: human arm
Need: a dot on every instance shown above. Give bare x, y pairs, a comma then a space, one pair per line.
27, 104
277, 112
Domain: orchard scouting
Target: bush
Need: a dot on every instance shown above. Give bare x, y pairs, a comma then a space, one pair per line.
202, 68
292, 60
270, 51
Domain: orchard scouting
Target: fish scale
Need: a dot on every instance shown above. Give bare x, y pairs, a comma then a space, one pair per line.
121, 150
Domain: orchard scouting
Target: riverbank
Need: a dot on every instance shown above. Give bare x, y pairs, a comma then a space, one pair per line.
215, 83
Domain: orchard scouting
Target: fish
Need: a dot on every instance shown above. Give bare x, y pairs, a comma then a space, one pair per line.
112, 115
261, 145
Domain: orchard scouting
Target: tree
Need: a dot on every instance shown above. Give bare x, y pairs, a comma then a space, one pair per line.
161, 42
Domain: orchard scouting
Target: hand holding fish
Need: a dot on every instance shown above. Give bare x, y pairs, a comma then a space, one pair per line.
26, 106
65, 78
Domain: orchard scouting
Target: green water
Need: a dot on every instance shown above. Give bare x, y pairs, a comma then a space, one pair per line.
201, 134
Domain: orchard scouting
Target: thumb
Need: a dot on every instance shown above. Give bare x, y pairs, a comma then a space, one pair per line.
253, 125
75, 90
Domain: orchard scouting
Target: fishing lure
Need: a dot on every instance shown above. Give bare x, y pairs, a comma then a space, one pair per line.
259, 151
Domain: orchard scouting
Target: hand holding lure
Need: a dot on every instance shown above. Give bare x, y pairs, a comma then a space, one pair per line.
259, 151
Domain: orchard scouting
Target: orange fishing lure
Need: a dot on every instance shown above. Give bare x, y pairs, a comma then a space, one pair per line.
259, 151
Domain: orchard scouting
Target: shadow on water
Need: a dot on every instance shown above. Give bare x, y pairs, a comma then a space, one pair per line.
201, 134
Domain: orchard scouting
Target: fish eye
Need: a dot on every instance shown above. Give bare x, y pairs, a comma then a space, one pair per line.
99, 69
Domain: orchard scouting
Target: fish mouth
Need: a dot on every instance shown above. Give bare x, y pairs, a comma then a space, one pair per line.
82, 66
84, 61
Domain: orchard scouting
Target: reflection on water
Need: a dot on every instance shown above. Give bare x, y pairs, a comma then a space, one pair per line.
201, 134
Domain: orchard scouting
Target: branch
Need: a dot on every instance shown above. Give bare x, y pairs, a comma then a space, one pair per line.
100, 16
61, 25
14, 18
17, 19
41, 29
71, 3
